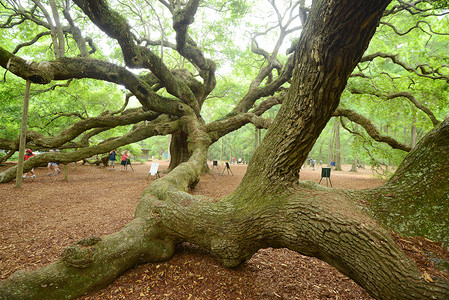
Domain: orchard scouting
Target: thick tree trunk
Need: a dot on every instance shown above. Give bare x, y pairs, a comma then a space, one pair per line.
179, 151
326, 55
415, 201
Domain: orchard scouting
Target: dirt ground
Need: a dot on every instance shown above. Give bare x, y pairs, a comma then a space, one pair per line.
48, 214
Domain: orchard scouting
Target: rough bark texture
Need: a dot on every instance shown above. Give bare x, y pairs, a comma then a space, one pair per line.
179, 152
415, 201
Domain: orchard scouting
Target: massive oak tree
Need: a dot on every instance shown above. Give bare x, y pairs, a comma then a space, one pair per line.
270, 208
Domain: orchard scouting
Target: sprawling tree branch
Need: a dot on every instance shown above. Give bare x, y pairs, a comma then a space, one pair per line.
370, 128
68, 68
420, 70
415, 7
417, 26
102, 122
135, 56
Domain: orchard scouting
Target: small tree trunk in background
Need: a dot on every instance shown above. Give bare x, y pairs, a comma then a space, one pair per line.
23, 133
320, 156
256, 138
337, 146
354, 164
230, 148
413, 135
221, 149
354, 146
168, 150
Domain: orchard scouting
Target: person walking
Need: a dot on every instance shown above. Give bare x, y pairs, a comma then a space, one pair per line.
54, 166
112, 160
28, 154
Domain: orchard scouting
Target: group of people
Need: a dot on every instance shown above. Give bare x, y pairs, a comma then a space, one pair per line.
53, 167
124, 162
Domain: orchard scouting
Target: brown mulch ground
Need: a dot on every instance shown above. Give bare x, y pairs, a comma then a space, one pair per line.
48, 214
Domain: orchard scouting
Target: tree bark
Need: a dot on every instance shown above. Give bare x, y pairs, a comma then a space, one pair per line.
23, 130
415, 200
179, 151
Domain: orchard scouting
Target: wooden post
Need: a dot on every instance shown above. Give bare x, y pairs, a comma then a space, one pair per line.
23, 133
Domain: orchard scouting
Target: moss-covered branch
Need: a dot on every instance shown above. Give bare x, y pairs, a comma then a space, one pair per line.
66, 68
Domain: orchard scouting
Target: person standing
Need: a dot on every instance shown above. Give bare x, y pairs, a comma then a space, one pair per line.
112, 160
28, 154
124, 160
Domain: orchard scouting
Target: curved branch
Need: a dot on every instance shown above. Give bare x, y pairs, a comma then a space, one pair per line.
269, 103
53, 87
102, 123
220, 128
76, 33
370, 128
34, 40
255, 92
7, 155
418, 105
412, 8
413, 27
431, 73
234, 121
135, 56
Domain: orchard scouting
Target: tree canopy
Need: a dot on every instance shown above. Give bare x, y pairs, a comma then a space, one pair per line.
247, 46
